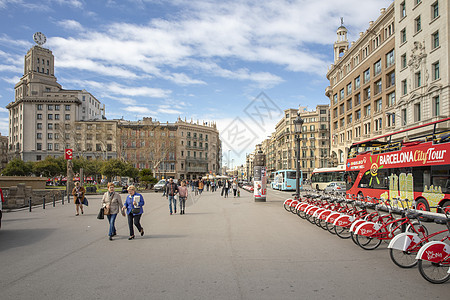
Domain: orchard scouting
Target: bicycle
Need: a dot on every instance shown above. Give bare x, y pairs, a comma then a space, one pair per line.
434, 257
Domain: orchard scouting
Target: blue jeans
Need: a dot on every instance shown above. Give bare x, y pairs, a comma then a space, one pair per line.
172, 198
112, 221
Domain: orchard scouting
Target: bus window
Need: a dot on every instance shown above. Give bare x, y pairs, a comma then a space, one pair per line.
291, 175
350, 178
421, 178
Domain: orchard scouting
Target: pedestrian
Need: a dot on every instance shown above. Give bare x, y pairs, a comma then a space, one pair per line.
133, 206
235, 188
201, 185
165, 186
226, 186
78, 196
112, 203
196, 183
182, 195
212, 186
171, 191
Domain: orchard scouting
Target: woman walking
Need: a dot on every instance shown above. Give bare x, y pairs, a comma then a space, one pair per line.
235, 188
112, 202
226, 186
182, 194
201, 185
78, 196
133, 206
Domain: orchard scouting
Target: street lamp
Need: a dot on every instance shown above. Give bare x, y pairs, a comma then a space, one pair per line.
298, 123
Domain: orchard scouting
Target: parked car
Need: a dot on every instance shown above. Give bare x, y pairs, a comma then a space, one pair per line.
160, 185
334, 187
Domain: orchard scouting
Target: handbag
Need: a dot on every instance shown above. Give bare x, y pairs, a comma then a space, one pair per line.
106, 210
85, 202
101, 214
136, 210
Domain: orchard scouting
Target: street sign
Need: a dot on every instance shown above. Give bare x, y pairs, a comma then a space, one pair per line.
69, 153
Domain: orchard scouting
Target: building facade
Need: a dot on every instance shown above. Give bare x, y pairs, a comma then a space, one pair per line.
280, 148
43, 115
3, 151
422, 59
362, 84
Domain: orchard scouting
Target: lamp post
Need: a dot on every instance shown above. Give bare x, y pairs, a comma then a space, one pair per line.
298, 123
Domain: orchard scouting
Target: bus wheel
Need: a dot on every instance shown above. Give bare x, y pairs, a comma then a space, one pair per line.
422, 204
446, 206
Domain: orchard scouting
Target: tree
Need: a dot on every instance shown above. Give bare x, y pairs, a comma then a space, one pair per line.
145, 176
49, 167
113, 168
130, 171
18, 167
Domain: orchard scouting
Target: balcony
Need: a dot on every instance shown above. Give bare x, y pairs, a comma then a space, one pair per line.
197, 169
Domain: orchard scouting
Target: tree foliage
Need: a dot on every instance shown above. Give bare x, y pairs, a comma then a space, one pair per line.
49, 167
18, 167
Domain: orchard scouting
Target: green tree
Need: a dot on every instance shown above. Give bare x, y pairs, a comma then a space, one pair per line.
146, 176
113, 168
130, 171
49, 167
18, 167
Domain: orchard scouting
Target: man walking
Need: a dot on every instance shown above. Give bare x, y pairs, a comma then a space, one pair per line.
171, 191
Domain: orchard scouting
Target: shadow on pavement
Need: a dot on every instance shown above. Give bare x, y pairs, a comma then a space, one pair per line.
14, 238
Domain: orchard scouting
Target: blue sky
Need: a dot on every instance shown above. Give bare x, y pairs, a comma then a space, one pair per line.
202, 60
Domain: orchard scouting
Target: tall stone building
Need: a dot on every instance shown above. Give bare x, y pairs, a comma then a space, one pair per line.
3, 151
280, 149
422, 59
43, 114
183, 150
362, 84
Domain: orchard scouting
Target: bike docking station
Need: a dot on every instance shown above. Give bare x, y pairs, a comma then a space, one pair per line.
260, 177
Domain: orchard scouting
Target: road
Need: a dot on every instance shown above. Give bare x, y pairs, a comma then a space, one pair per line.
222, 248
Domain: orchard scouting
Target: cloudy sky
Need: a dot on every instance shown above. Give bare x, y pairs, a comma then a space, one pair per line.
212, 61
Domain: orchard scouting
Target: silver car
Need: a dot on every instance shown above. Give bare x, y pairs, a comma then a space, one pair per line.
160, 185
335, 187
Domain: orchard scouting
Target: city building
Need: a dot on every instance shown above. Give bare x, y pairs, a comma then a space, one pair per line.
3, 151
422, 58
43, 114
362, 84
183, 150
280, 147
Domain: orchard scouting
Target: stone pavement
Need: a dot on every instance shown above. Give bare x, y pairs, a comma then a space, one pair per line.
222, 248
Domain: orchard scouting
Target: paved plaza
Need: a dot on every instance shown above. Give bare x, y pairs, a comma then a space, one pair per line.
222, 248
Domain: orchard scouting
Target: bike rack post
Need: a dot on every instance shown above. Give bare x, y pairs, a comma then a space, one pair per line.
29, 204
54, 200
43, 202
62, 197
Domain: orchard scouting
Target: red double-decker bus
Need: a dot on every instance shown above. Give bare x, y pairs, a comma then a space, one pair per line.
416, 168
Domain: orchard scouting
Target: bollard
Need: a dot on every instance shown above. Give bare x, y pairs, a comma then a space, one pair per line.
62, 198
68, 198
54, 200
43, 203
29, 204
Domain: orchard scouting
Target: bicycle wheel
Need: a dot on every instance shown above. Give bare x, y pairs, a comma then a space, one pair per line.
403, 259
323, 224
330, 228
433, 272
367, 243
342, 232
353, 235
301, 214
287, 207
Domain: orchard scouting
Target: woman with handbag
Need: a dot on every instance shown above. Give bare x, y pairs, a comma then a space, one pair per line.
112, 203
133, 206
78, 196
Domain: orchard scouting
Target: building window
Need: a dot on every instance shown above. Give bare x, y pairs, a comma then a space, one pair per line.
56, 106
402, 10
436, 108
367, 93
403, 36
50, 136
391, 99
358, 99
39, 125
378, 87
418, 24
436, 71
39, 146
39, 107
404, 116
39, 136
50, 116
390, 58
335, 98
357, 83
67, 107
390, 79
366, 75
404, 87
378, 105
418, 79
358, 115
56, 116
349, 88
435, 10
39, 116
67, 117
341, 94
367, 111
435, 40
49, 126
377, 68
417, 112
49, 146
403, 61
50, 107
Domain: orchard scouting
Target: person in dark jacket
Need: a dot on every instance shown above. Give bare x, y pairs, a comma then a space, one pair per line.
171, 191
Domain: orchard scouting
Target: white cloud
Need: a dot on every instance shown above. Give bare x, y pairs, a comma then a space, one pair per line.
140, 110
11, 80
168, 109
70, 25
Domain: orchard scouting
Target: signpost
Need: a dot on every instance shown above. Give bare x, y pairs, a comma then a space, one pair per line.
69, 183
